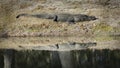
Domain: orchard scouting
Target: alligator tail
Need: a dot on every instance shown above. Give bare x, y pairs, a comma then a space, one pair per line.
24, 14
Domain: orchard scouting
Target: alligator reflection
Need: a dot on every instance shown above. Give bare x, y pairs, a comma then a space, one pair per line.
60, 59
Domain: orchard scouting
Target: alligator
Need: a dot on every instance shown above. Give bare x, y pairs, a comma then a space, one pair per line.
64, 17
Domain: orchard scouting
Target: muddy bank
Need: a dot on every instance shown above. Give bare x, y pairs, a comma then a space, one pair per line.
106, 11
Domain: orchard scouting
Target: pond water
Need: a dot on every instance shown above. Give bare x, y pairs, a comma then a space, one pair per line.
88, 58
60, 52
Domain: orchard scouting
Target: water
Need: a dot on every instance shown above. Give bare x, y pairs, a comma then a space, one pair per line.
88, 58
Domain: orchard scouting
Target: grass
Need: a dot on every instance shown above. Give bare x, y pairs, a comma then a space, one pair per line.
102, 28
25, 24
103, 38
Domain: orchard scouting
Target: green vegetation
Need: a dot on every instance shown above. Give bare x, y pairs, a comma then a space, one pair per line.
103, 38
102, 28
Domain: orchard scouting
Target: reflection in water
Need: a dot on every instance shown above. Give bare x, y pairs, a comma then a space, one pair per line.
60, 59
1, 60
66, 59
9, 58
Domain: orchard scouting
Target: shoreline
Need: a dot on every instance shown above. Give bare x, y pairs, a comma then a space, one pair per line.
21, 43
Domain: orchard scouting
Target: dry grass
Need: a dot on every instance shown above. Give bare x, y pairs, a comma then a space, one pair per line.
35, 26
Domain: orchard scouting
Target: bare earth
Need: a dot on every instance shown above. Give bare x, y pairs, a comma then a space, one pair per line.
108, 21
42, 32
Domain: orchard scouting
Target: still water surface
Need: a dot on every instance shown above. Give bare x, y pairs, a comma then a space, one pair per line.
88, 58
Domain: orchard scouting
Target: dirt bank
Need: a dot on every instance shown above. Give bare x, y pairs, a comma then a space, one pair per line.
107, 12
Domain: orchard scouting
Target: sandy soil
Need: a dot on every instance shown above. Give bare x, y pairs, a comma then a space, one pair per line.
47, 32
108, 21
